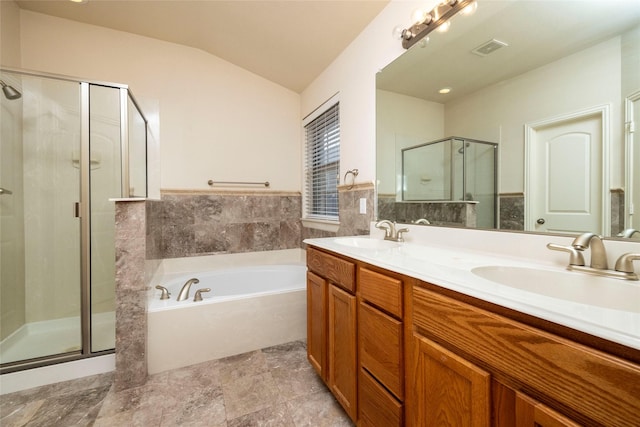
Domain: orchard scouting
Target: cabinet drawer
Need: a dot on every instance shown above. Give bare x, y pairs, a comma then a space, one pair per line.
597, 385
335, 269
377, 407
380, 347
382, 291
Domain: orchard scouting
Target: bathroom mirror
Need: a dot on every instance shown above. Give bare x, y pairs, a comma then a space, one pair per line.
553, 84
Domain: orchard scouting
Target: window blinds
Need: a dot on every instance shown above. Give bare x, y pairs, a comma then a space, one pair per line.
322, 165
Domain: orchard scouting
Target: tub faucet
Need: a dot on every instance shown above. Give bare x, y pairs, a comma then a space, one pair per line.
184, 292
165, 292
598, 253
198, 296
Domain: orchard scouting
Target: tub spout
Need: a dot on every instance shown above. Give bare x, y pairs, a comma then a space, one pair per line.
184, 292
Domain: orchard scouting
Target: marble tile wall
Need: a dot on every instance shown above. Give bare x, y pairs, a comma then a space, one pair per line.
208, 223
352, 222
454, 214
617, 211
511, 215
131, 294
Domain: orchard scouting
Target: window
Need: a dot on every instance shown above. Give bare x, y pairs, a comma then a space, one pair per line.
322, 165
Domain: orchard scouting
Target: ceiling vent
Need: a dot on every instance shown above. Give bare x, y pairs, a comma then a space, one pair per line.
489, 47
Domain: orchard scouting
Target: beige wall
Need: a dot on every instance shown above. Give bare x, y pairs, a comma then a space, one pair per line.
405, 121
9, 34
217, 121
353, 75
585, 79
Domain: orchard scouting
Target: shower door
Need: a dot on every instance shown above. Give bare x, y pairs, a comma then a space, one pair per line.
40, 258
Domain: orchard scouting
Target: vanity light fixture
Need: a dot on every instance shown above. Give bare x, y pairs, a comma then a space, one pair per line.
424, 23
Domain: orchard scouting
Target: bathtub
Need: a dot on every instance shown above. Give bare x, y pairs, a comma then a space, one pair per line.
249, 307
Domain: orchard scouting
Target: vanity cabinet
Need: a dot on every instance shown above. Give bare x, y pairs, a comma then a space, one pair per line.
331, 325
380, 348
396, 351
472, 365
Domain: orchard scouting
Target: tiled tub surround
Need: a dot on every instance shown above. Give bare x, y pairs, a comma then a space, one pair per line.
352, 222
131, 294
456, 214
511, 213
216, 222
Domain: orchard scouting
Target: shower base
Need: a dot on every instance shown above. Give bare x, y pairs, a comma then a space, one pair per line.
46, 338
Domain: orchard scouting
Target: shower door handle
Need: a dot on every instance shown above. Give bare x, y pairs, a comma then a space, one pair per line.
5, 191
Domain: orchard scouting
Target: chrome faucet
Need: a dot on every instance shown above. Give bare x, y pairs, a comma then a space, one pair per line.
184, 292
390, 232
598, 253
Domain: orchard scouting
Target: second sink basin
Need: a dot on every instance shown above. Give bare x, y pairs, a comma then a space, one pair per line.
569, 286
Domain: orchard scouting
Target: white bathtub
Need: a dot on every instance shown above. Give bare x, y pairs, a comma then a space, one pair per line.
248, 308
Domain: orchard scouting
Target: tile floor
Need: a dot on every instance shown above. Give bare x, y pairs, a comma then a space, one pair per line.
274, 386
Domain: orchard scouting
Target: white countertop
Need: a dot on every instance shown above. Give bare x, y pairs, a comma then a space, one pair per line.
451, 268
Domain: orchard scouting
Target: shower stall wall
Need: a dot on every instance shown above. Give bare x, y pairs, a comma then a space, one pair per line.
453, 170
67, 148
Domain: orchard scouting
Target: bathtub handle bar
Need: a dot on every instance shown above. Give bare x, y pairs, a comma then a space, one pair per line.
165, 292
198, 295
212, 183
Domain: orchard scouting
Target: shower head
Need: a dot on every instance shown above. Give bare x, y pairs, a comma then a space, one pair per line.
9, 91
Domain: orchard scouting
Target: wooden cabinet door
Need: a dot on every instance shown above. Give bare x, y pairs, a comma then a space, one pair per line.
317, 323
447, 390
342, 349
531, 413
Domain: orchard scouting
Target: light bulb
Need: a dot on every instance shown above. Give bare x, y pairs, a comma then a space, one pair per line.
418, 16
444, 27
470, 9
397, 32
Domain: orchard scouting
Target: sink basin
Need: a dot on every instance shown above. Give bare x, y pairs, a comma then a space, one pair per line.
569, 286
366, 243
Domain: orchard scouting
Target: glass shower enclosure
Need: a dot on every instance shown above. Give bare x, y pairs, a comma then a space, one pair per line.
68, 146
453, 169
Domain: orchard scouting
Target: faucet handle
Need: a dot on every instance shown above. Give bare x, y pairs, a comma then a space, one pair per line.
198, 296
165, 292
625, 262
385, 225
575, 256
399, 233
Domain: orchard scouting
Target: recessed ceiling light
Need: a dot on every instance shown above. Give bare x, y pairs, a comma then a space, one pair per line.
444, 90
79, 1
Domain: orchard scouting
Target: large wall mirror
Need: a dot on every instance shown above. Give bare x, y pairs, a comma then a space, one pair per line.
553, 86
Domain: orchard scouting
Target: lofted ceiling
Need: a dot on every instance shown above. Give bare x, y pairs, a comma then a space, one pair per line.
289, 42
